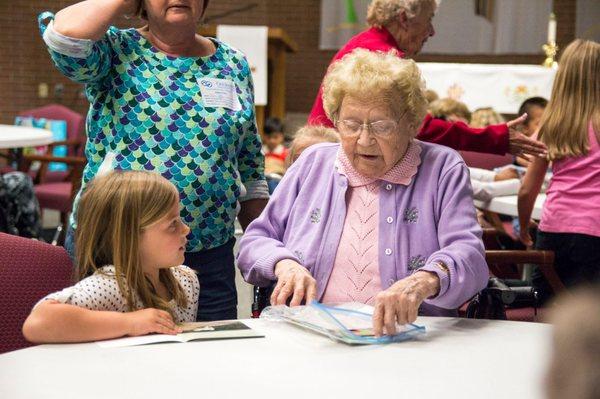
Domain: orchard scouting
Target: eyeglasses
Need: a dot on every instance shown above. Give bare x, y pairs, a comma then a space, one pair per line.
382, 128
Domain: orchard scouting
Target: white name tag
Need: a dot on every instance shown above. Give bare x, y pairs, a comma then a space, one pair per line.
219, 93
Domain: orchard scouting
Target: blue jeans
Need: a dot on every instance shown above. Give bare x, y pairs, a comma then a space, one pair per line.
216, 271
70, 243
272, 184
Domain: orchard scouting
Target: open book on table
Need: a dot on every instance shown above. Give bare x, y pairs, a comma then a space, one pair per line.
201, 331
350, 323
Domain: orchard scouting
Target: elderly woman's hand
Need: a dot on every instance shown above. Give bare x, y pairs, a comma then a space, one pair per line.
293, 279
519, 144
400, 303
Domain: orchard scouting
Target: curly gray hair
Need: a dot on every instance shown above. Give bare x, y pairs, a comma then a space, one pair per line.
381, 12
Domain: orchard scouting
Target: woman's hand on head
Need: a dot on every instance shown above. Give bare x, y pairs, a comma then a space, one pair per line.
130, 7
295, 281
147, 321
400, 303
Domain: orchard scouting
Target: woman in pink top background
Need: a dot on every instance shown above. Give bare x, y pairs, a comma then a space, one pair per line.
570, 128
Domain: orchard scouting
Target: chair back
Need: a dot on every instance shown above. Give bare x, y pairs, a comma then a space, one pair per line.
75, 123
486, 161
29, 270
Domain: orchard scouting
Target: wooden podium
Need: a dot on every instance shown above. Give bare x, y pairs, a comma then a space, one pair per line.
279, 44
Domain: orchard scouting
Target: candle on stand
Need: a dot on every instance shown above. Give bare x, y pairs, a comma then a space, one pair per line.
552, 29
550, 48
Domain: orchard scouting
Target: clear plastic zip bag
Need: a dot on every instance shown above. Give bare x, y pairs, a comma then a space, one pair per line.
350, 323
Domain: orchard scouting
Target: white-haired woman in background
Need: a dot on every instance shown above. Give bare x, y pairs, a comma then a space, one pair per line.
404, 26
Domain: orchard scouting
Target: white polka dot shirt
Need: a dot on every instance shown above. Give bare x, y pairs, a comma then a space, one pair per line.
100, 291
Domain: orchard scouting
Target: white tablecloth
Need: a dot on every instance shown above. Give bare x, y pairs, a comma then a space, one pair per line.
23, 136
507, 205
457, 358
503, 87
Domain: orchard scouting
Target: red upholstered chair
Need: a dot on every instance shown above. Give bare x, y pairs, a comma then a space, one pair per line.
485, 161
75, 141
29, 270
59, 195
56, 190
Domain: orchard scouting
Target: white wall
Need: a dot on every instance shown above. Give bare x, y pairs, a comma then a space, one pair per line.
588, 19
517, 27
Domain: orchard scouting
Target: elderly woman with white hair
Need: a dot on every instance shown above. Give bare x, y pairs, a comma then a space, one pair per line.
382, 218
404, 26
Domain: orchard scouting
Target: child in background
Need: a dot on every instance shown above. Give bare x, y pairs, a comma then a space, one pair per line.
309, 135
131, 243
570, 128
304, 138
274, 149
483, 117
450, 110
534, 108
431, 96
486, 184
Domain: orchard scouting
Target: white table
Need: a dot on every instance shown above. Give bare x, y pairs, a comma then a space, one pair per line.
16, 137
457, 358
23, 136
507, 205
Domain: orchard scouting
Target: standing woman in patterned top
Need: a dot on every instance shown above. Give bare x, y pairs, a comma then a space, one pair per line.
165, 99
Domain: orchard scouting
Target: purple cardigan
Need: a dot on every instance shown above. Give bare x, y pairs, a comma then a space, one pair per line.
432, 219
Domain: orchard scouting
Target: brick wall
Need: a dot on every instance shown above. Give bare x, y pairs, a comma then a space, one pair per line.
24, 62
306, 68
565, 11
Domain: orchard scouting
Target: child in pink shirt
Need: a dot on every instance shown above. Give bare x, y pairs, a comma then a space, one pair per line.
570, 128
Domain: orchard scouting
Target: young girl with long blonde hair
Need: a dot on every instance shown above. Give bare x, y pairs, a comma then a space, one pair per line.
131, 243
570, 128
